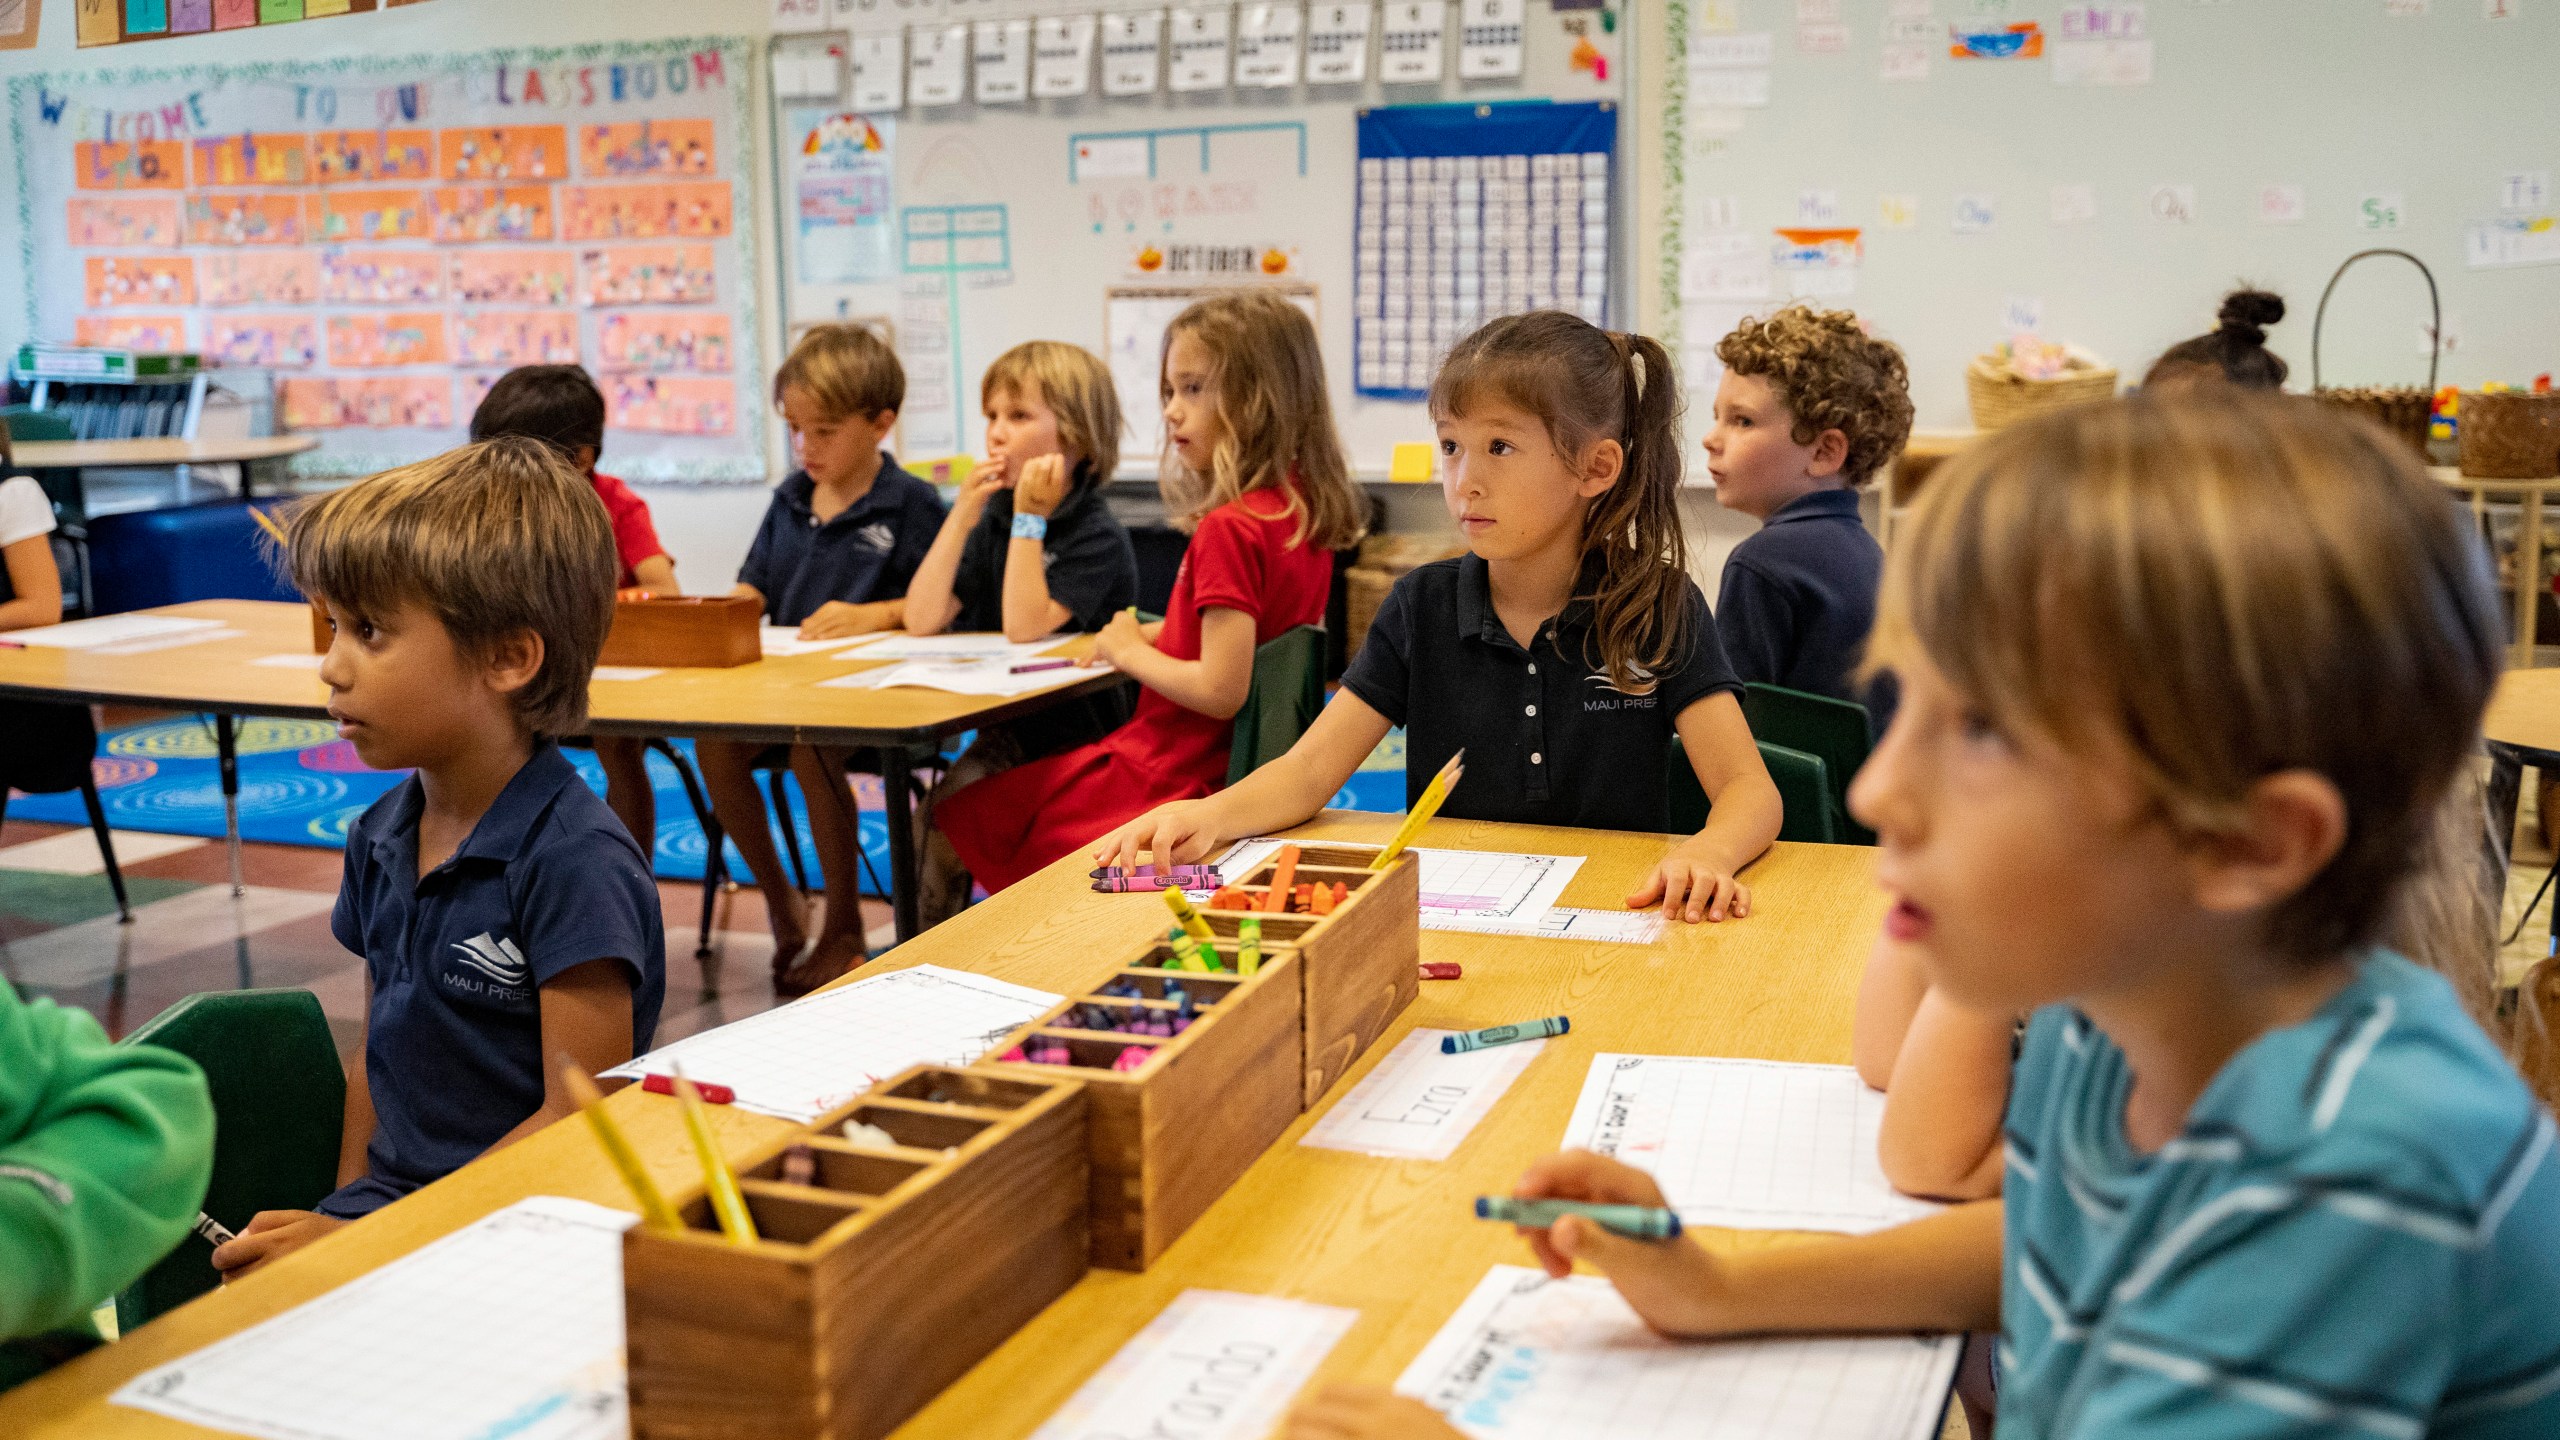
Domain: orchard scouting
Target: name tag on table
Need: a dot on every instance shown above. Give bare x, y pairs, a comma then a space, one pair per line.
1419, 1104
1215, 1365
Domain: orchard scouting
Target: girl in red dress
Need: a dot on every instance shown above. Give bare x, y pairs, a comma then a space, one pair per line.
1253, 467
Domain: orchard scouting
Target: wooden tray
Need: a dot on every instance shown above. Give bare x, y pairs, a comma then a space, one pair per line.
875, 1287
1168, 1137
711, 632
1360, 966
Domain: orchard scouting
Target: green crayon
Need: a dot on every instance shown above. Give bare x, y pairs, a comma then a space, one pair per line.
1504, 1034
1636, 1222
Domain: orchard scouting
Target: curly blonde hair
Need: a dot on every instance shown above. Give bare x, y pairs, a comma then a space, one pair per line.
1832, 375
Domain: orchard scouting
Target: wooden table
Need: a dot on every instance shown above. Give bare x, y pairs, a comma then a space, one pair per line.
772, 702
2522, 728
1392, 1239
75, 458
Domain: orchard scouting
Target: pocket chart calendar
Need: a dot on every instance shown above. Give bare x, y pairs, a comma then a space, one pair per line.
1527, 1356
1467, 213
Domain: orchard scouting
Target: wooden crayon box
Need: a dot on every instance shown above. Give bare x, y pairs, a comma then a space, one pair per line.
702, 631
877, 1284
1359, 966
1169, 1136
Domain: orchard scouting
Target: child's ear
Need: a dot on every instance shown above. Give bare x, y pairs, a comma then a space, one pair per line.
1601, 469
2293, 824
1830, 452
514, 660
885, 421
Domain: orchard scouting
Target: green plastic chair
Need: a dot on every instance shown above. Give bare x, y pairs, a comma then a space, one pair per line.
279, 1100
1837, 730
1288, 691
1804, 787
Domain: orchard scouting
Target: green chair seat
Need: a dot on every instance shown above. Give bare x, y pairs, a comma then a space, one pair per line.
279, 1100
1804, 788
1287, 694
1836, 730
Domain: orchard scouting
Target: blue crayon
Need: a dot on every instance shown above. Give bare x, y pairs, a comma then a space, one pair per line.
1636, 1222
1504, 1034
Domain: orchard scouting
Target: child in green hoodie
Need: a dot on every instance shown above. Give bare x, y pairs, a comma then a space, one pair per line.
105, 1152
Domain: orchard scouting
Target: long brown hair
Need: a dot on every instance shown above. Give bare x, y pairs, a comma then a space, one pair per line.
1273, 415
1586, 385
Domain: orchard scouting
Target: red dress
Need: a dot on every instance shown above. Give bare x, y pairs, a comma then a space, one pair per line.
1009, 825
634, 538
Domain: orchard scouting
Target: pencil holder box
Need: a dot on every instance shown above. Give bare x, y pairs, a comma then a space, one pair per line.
701, 631
1359, 966
1166, 1138
877, 1284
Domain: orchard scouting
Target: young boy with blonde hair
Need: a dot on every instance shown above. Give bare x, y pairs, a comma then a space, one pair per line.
504, 916
1810, 409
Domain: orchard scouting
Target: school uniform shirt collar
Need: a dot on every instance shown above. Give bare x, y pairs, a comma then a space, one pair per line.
800, 492
1478, 620
1818, 505
503, 828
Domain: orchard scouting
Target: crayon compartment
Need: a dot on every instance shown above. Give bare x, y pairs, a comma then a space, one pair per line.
1167, 1137
1360, 964
822, 1329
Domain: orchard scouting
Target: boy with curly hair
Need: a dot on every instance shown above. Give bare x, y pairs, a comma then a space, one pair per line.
1810, 409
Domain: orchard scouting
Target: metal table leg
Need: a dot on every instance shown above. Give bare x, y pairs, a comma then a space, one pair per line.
226, 741
897, 763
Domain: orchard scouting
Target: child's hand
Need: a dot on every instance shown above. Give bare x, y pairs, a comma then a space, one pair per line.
1043, 486
838, 618
1361, 1412
272, 1235
1675, 1287
1691, 887
1119, 638
1175, 834
984, 481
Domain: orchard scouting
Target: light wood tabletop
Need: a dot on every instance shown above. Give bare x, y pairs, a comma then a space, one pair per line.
2525, 711
772, 701
104, 454
1394, 1240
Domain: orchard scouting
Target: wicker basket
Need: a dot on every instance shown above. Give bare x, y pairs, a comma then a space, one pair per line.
2000, 397
2404, 410
1384, 559
2509, 435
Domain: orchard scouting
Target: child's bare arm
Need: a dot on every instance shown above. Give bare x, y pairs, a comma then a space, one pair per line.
1889, 994
586, 1015
1217, 684
1696, 880
1942, 1113
1279, 795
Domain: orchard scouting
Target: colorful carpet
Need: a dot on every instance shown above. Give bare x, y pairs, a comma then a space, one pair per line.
301, 785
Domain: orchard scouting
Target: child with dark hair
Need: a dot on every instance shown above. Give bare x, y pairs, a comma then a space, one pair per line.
2234, 352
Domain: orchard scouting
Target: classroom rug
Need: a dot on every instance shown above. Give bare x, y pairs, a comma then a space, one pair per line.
301, 785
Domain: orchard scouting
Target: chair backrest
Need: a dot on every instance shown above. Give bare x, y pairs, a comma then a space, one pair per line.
279, 1100
1804, 787
1836, 730
1288, 690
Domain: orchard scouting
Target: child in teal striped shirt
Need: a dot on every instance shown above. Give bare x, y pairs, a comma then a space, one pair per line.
2183, 680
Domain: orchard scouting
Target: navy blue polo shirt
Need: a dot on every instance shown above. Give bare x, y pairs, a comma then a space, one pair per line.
1799, 597
1549, 740
547, 881
868, 551
1091, 567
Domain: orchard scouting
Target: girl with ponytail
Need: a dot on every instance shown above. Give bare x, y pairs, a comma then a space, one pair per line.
1564, 653
2233, 352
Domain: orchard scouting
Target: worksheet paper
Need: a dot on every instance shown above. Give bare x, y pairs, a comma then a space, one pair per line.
807, 1057
1618, 927
107, 630
1214, 1365
954, 647
150, 644
612, 673
1527, 1356
1418, 1104
512, 1328
777, 640
962, 677
1750, 1144
289, 662
1479, 885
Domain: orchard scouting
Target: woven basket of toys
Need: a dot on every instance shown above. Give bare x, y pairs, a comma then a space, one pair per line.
2404, 410
2510, 435
2029, 377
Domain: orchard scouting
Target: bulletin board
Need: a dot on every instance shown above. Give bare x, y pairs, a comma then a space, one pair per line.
2103, 173
388, 236
1017, 220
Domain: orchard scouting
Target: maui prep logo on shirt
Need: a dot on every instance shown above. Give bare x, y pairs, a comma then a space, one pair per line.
486, 965
879, 535
1613, 698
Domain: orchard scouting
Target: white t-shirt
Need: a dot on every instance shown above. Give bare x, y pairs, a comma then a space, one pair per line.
24, 511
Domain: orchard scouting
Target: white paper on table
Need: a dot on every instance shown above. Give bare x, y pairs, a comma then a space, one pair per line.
955, 647
512, 1326
1750, 1144
105, 630
1568, 1360
1476, 884
611, 673
816, 1053
295, 661
963, 677
1251, 1353
775, 640
1616, 927
1420, 1104
150, 644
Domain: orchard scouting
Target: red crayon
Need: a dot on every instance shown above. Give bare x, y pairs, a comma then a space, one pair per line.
711, 1094
1442, 970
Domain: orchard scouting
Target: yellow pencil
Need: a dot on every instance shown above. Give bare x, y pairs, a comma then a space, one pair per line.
266, 523
655, 1212
726, 1202
1423, 809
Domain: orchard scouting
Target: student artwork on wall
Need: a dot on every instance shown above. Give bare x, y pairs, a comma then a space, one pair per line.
389, 236
116, 22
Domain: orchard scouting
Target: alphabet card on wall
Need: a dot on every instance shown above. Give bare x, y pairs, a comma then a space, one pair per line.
399, 233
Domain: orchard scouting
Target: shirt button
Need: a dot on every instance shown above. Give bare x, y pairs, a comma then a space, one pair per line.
1533, 709
1533, 667
1537, 759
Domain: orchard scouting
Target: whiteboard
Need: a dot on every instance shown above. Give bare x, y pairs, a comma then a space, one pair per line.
1133, 326
1272, 170
2325, 101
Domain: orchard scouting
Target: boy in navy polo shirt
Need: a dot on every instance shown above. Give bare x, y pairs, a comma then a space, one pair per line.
837, 549
503, 914
1811, 407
